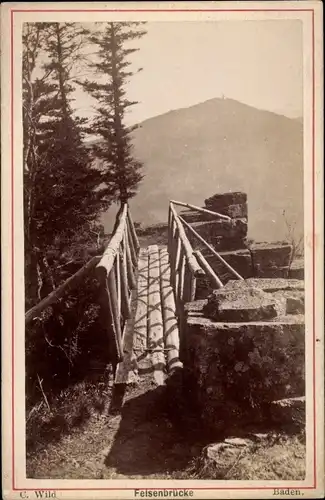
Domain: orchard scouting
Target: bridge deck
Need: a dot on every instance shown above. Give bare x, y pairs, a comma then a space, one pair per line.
151, 338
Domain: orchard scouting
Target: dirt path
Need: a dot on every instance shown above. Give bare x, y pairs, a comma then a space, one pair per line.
139, 441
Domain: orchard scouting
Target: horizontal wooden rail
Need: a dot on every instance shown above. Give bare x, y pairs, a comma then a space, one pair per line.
115, 273
190, 257
107, 260
62, 290
200, 209
199, 237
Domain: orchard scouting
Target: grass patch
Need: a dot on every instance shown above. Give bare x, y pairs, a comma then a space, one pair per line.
278, 457
47, 422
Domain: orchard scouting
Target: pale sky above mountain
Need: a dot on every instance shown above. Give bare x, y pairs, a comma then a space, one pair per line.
256, 62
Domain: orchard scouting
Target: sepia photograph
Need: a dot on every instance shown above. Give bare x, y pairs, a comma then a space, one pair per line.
164, 192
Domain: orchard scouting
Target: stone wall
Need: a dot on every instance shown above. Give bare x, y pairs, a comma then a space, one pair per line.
245, 349
229, 238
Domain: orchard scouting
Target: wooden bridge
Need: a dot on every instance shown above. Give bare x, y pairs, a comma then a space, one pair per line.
143, 293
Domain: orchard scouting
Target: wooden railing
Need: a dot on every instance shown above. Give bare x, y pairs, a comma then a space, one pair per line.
115, 270
187, 264
116, 274
209, 247
184, 267
68, 286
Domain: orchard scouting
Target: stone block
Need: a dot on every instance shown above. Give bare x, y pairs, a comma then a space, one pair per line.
297, 269
237, 211
240, 368
233, 211
271, 272
294, 300
295, 305
191, 216
291, 410
268, 284
240, 260
212, 231
246, 304
195, 308
203, 288
239, 228
222, 244
266, 256
219, 201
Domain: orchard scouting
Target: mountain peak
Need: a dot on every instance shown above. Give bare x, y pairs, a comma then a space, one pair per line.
217, 146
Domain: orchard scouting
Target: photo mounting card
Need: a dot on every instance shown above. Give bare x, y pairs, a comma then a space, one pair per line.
162, 250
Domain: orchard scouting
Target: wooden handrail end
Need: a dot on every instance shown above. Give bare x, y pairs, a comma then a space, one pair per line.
101, 273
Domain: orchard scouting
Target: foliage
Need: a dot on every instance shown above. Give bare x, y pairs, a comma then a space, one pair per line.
121, 171
58, 342
60, 181
296, 241
65, 192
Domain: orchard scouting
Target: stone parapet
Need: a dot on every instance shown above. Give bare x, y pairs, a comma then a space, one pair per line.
271, 260
240, 368
246, 350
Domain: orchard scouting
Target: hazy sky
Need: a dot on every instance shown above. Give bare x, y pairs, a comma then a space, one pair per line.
184, 63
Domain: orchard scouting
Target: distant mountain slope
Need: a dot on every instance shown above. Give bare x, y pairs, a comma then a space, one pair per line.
217, 146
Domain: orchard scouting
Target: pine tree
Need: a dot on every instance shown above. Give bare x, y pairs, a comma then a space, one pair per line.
122, 172
62, 188
74, 182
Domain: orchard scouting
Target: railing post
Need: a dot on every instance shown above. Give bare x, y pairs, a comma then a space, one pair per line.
113, 301
179, 279
126, 309
133, 252
193, 288
187, 297
170, 228
108, 314
118, 281
176, 262
173, 254
129, 264
133, 233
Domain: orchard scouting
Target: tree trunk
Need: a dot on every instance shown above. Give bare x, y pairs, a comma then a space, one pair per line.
120, 163
60, 72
